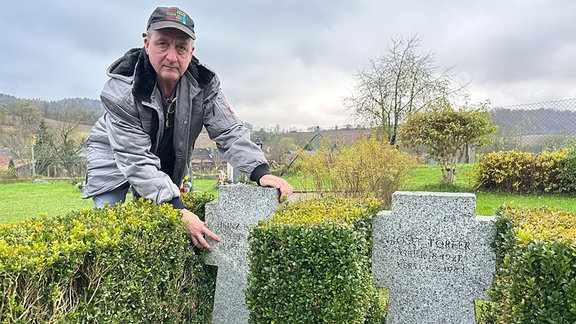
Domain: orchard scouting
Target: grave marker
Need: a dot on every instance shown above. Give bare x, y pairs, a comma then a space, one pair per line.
435, 255
238, 207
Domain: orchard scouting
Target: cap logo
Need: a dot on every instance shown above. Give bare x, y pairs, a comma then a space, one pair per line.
176, 15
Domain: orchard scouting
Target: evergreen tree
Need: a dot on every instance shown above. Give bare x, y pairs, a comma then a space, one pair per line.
44, 150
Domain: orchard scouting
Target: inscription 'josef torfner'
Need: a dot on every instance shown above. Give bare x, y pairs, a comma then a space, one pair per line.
426, 242
410, 252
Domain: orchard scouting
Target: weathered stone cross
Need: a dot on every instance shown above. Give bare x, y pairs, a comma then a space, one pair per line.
238, 208
435, 255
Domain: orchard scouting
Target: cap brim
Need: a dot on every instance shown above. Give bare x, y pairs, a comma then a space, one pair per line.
171, 24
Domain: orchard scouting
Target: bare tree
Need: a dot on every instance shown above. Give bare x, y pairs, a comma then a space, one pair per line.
66, 145
396, 84
18, 134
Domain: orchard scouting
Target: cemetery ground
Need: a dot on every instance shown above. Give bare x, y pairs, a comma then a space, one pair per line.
22, 200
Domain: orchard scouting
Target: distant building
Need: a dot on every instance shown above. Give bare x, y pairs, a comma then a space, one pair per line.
23, 167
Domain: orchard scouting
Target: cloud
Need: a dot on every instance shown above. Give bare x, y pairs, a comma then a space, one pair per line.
291, 63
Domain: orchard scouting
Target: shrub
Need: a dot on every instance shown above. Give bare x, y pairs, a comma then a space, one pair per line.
548, 166
567, 172
8, 173
311, 263
507, 171
196, 202
535, 281
368, 168
127, 263
515, 171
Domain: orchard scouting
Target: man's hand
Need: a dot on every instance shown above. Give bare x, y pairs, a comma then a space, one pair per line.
196, 230
273, 181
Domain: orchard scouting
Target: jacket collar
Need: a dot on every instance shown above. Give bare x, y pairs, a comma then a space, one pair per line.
135, 62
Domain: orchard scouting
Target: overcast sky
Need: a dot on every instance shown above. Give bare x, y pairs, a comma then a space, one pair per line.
290, 63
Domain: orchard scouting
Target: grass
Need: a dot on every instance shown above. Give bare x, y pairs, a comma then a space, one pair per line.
426, 178
23, 200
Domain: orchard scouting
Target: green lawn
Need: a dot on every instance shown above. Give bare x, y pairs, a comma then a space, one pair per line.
22, 200
426, 178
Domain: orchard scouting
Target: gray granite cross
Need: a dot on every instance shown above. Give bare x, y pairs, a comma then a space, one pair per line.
238, 208
434, 255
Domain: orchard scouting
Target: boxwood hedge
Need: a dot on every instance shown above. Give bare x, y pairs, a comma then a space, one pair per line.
311, 263
130, 263
535, 281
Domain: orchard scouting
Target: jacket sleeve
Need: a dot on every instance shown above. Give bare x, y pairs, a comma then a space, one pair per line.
228, 131
131, 146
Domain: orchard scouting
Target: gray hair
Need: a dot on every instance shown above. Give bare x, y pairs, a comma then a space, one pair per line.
151, 31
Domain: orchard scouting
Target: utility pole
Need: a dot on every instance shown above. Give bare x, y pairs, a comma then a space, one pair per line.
33, 164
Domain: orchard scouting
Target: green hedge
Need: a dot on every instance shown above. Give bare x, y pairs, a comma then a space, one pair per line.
130, 263
311, 263
523, 172
535, 281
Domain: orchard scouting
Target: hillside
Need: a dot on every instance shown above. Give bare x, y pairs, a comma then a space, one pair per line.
49, 107
510, 120
535, 122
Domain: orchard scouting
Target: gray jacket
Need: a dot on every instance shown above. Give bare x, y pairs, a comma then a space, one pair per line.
122, 144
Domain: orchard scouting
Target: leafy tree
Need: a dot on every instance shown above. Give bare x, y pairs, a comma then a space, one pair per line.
445, 133
398, 83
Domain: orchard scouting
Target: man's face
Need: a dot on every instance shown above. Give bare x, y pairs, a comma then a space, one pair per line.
170, 52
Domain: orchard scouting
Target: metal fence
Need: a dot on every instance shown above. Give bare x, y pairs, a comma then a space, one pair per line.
534, 127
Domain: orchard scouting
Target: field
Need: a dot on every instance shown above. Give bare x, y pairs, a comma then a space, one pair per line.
19, 201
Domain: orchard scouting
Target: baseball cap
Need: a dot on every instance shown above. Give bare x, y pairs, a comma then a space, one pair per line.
171, 17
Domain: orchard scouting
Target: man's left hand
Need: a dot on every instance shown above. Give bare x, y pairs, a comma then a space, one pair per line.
282, 185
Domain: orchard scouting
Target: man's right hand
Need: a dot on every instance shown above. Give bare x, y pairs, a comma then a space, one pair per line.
196, 230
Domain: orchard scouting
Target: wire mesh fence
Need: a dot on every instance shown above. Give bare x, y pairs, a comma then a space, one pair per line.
533, 127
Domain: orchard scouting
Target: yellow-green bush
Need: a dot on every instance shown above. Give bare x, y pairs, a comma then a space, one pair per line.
567, 174
535, 280
128, 263
368, 168
311, 263
515, 171
548, 169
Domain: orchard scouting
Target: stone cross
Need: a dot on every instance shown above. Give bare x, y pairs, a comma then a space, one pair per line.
435, 256
238, 208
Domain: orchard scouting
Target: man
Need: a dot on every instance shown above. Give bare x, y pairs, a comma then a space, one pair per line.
156, 102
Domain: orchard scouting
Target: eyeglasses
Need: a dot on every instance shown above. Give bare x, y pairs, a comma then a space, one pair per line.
169, 118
